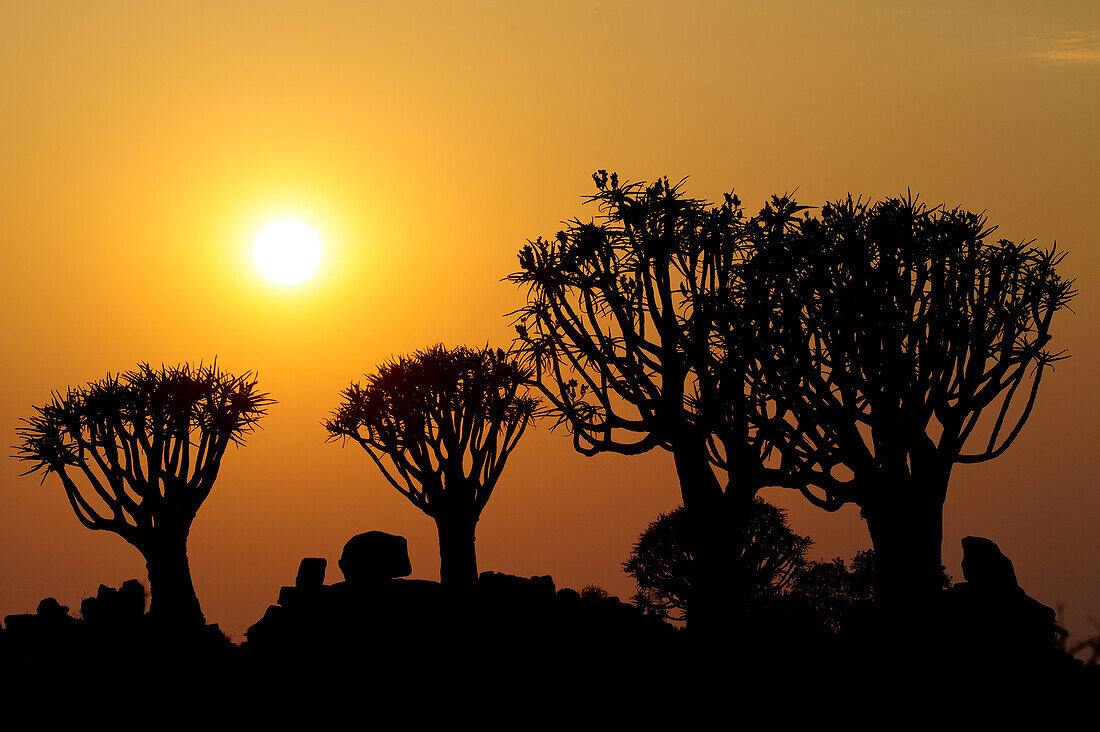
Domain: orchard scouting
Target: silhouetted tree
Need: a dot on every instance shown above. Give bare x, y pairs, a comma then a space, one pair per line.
630, 332
829, 590
660, 563
446, 421
901, 333
594, 592
147, 445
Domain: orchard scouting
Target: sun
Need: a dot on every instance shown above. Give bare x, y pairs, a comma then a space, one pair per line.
287, 252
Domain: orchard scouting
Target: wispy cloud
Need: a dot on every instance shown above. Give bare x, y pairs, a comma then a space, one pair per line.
1076, 47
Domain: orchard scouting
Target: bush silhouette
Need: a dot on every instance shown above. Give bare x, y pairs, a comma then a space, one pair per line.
829, 590
661, 560
147, 446
445, 421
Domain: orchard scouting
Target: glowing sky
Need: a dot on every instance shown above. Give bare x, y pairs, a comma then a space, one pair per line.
144, 144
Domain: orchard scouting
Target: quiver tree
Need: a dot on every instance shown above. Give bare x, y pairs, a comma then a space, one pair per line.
138, 453
907, 341
661, 562
440, 425
635, 333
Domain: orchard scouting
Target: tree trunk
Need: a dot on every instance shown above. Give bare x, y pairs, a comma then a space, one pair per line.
716, 526
173, 601
457, 557
906, 530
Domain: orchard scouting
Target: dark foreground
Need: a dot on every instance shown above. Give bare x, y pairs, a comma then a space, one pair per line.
511, 639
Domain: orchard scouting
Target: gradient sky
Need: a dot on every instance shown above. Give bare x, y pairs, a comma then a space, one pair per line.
142, 145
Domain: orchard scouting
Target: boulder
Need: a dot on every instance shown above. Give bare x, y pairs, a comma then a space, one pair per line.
288, 596
90, 611
506, 588
985, 565
568, 594
131, 599
311, 573
375, 556
20, 622
111, 605
994, 617
51, 608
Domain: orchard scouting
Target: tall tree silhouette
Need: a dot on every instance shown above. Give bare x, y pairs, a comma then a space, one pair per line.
903, 333
138, 453
660, 561
440, 425
633, 331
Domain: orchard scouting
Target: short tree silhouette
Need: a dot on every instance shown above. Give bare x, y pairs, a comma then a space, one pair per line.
902, 333
445, 421
830, 590
661, 560
148, 444
635, 332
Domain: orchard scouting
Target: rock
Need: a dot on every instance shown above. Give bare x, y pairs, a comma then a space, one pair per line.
287, 595
375, 556
568, 594
545, 583
510, 588
51, 608
994, 617
269, 623
19, 623
90, 610
985, 565
131, 599
125, 604
311, 573
299, 598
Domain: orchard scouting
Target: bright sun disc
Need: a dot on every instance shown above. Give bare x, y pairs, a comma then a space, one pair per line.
286, 252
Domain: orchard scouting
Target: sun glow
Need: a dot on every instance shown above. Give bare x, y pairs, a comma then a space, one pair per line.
287, 252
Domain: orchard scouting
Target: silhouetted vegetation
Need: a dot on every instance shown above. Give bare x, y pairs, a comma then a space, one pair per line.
594, 592
830, 591
805, 596
660, 562
633, 333
445, 421
897, 333
852, 356
147, 445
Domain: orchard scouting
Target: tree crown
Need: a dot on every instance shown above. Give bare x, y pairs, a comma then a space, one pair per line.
145, 440
441, 415
621, 325
898, 326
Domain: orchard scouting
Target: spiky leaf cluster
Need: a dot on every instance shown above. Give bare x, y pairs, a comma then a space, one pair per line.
146, 442
438, 418
902, 332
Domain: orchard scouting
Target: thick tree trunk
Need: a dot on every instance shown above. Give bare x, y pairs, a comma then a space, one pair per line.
457, 557
716, 527
907, 533
173, 601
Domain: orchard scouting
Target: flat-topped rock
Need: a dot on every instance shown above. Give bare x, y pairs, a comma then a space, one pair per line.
311, 573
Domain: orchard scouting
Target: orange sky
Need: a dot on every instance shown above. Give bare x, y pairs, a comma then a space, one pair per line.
142, 147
